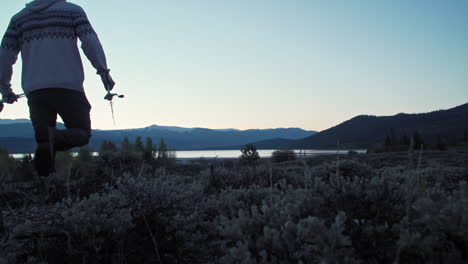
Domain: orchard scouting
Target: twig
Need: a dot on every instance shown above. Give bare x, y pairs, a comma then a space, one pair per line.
271, 183
418, 177
155, 244
338, 158
420, 156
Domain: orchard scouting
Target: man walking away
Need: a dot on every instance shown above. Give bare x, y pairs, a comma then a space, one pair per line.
46, 33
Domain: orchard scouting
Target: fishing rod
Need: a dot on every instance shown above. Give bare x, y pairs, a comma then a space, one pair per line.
109, 96
5, 100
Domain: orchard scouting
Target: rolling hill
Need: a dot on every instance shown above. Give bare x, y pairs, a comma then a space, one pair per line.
365, 130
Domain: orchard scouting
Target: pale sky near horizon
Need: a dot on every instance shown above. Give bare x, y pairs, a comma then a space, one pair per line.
271, 63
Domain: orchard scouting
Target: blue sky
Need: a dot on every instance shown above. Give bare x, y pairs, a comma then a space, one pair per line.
272, 63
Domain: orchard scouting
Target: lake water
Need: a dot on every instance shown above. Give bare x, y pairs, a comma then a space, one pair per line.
196, 154
191, 154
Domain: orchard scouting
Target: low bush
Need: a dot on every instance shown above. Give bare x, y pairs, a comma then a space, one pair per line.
336, 211
283, 155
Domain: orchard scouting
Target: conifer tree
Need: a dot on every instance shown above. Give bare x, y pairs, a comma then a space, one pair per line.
162, 150
418, 141
126, 145
139, 145
149, 149
388, 142
393, 138
440, 142
107, 146
405, 140
85, 155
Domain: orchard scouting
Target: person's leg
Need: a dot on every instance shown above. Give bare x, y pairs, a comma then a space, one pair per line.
74, 109
43, 116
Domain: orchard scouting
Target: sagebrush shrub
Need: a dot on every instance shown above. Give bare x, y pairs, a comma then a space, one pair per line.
96, 225
361, 209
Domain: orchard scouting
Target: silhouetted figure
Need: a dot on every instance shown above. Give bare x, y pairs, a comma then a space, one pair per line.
46, 33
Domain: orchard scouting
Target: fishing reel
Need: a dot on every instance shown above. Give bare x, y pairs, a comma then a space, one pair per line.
3, 101
109, 96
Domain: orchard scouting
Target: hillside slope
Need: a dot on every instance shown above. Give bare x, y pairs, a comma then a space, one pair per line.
362, 131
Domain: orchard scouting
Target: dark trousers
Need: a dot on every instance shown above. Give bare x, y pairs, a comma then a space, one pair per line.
74, 108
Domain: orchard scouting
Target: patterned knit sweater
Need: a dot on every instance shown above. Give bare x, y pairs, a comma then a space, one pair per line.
46, 33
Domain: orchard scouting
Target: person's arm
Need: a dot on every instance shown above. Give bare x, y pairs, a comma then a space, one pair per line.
9, 50
92, 47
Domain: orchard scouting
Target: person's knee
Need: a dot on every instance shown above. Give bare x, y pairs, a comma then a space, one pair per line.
71, 138
84, 137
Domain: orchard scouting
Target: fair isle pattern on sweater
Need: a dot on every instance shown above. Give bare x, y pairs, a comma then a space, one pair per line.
46, 33
62, 24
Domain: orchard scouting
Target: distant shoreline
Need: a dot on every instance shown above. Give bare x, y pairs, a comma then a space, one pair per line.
185, 155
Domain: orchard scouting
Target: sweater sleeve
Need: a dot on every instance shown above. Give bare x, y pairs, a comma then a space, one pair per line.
9, 50
90, 43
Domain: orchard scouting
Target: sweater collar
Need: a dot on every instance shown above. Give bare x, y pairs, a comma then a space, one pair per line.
39, 5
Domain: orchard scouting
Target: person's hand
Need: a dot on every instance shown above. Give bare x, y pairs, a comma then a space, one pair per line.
10, 98
107, 81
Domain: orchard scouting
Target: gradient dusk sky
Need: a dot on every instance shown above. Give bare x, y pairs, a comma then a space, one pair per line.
271, 63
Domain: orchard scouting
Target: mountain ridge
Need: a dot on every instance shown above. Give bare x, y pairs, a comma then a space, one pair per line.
14, 121
14, 135
361, 131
